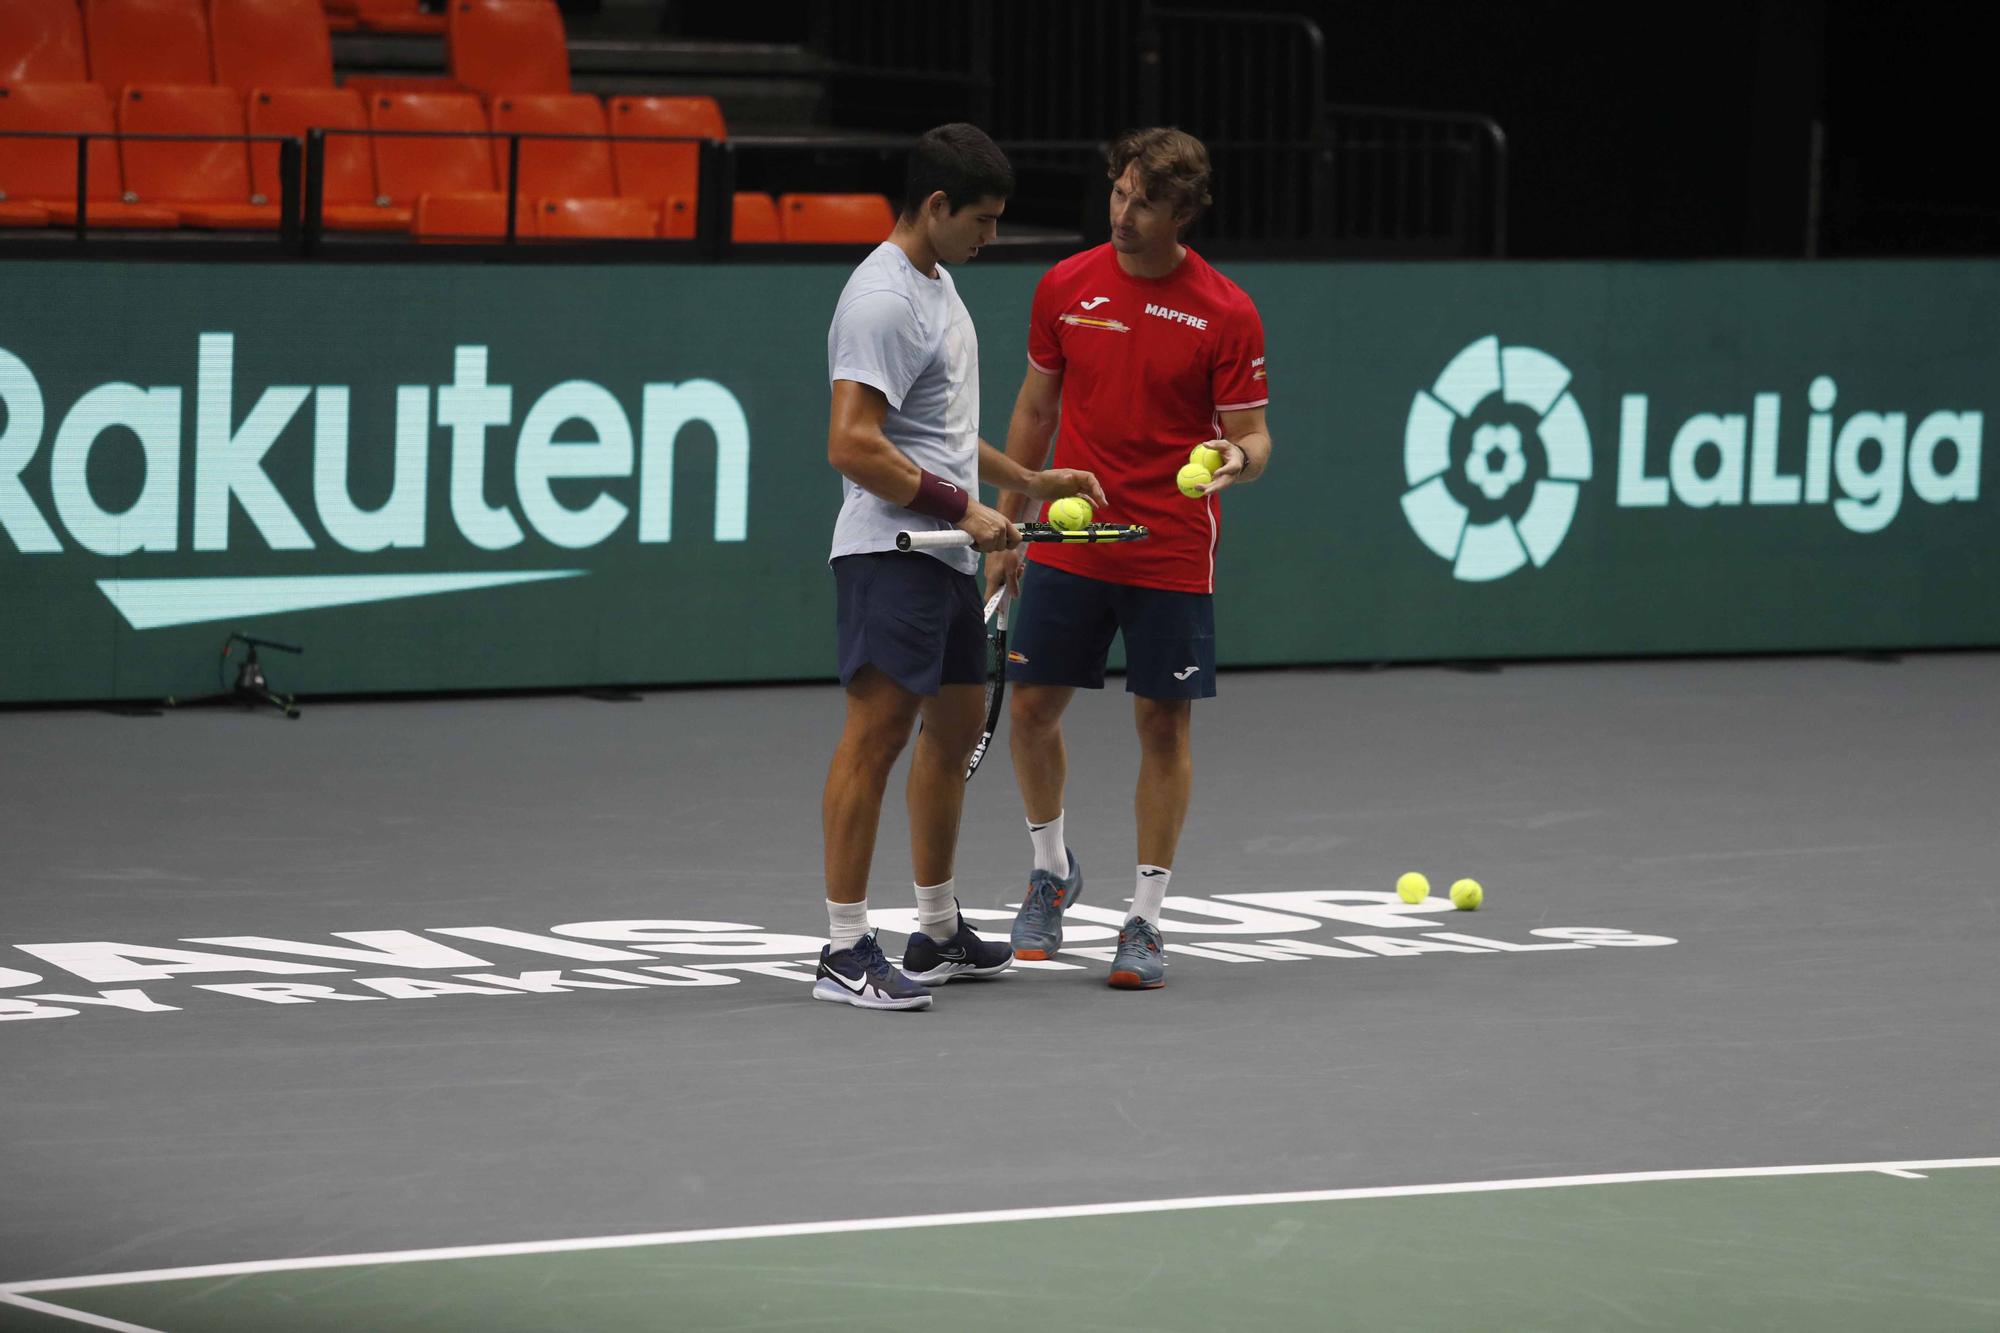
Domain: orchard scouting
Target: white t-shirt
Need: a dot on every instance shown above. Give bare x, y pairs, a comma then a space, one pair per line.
911, 337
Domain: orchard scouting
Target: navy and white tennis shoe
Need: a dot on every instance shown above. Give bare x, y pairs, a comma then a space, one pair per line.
863, 976
932, 962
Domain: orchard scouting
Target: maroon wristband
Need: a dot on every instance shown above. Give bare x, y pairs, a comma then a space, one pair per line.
938, 498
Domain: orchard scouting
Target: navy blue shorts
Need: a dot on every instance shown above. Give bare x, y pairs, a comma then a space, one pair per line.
912, 617
1061, 634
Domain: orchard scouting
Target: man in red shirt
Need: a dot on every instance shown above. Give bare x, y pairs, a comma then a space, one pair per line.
1137, 352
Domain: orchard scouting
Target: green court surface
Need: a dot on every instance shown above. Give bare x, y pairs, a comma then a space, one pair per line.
1851, 1248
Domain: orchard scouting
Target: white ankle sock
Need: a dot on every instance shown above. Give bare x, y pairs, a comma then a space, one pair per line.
1050, 853
1148, 891
937, 910
845, 923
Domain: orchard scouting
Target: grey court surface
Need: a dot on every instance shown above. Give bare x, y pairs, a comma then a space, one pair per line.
1740, 914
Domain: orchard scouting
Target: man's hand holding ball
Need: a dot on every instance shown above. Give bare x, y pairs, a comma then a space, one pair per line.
1219, 459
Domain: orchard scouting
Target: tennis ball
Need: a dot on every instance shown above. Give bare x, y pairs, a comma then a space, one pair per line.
1203, 456
1070, 514
1413, 888
1466, 895
1191, 479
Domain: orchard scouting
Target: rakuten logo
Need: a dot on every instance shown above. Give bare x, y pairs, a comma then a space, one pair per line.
598, 443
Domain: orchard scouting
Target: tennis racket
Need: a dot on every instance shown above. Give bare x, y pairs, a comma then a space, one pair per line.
1088, 534
996, 676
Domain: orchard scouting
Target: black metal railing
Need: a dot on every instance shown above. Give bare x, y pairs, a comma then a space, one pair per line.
1289, 167
1378, 182
1232, 75
1403, 182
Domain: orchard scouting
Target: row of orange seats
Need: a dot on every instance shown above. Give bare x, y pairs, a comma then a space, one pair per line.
442, 173
755, 219
493, 45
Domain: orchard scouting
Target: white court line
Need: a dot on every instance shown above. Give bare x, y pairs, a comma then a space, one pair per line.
14, 1290
1902, 1174
74, 1316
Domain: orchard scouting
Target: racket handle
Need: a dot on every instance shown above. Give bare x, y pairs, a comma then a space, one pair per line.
932, 541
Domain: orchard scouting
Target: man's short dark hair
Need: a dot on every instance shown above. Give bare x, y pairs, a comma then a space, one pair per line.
960, 160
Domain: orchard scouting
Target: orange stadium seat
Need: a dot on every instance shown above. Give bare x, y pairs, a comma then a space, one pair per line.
406, 16
14, 214
147, 41
42, 172
462, 215
348, 197
42, 42
836, 218
554, 166
207, 182
341, 15
754, 219
508, 46
596, 217
661, 171
562, 171
270, 44
449, 181
436, 163
677, 219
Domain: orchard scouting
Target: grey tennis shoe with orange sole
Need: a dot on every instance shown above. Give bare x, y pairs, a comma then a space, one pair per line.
1141, 960
1037, 933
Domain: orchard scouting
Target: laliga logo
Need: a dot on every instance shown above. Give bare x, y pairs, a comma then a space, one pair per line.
1495, 454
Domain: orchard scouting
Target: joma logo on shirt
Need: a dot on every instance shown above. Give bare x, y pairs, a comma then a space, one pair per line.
1179, 317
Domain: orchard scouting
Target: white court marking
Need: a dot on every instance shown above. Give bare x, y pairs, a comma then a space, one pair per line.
19, 1293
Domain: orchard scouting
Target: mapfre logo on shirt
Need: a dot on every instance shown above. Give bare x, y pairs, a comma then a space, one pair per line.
1176, 316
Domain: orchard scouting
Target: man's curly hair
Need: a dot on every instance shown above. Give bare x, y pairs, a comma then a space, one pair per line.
1173, 167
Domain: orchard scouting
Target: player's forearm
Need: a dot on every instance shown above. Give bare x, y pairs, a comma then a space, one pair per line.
999, 470
1028, 436
867, 459
1256, 447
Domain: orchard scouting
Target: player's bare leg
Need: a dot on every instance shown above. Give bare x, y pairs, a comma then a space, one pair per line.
1041, 767
1035, 739
852, 968
936, 791
1166, 776
943, 947
880, 714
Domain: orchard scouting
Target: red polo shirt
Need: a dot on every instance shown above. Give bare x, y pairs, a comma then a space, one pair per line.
1147, 365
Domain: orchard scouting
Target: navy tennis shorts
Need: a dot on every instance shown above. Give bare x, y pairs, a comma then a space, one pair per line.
912, 617
1061, 634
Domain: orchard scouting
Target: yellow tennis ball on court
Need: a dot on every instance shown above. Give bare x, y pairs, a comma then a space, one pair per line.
1413, 888
1070, 513
1192, 478
1206, 457
1466, 895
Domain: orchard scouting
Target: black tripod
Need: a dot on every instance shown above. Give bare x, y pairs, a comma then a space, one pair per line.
251, 688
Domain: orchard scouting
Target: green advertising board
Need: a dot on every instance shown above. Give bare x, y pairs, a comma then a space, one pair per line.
463, 476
